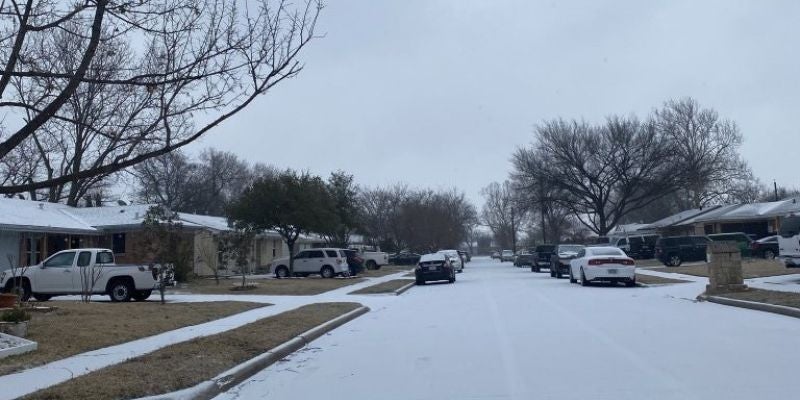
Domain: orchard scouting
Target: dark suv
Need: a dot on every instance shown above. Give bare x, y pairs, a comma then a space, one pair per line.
559, 262
541, 257
673, 250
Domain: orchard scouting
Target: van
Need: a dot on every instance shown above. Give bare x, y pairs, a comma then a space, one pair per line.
789, 241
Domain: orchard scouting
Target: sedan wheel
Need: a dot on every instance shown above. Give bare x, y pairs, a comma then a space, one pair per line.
584, 282
769, 255
572, 278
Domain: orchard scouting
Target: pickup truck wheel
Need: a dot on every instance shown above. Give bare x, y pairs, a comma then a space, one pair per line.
121, 290
327, 272
41, 297
281, 272
142, 295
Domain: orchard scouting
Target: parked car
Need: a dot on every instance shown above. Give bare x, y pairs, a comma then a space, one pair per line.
327, 263
63, 273
455, 259
495, 254
506, 255
602, 263
523, 259
674, 250
789, 241
742, 240
642, 246
543, 253
562, 255
765, 247
465, 256
373, 257
404, 258
434, 267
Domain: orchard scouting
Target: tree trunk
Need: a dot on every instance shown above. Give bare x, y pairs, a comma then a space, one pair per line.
290, 244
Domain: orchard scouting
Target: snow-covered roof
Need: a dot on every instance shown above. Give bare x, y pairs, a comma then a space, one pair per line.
680, 217
629, 228
206, 221
114, 216
713, 214
35, 216
753, 211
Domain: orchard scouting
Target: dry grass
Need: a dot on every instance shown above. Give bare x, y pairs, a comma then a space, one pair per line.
751, 268
74, 327
386, 270
384, 287
788, 299
275, 287
656, 280
186, 364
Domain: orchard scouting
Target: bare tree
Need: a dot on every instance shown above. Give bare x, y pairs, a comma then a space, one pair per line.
171, 180
707, 149
503, 212
191, 65
598, 173
380, 210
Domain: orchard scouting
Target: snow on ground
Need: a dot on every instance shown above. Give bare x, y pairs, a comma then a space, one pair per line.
781, 283
502, 332
31, 380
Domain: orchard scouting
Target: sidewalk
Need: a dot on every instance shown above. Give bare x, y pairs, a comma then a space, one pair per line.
37, 378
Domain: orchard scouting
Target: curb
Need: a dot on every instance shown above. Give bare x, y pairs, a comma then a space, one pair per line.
752, 305
400, 290
211, 388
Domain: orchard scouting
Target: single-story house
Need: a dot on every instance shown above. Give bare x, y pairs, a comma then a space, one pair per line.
30, 231
759, 219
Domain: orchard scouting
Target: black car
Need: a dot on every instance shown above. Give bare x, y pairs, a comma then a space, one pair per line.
404, 258
542, 257
524, 259
434, 267
765, 247
559, 261
674, 250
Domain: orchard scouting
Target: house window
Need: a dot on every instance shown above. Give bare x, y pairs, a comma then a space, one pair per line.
118, 243
33, 250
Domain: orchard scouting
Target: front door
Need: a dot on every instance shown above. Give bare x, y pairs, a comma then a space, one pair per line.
57, 274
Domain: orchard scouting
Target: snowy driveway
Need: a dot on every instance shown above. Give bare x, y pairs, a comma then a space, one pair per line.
505, 333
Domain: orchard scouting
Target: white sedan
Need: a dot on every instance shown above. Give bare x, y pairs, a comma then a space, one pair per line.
602, 264
455, 259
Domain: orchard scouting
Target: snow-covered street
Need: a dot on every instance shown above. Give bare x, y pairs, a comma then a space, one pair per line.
505, 333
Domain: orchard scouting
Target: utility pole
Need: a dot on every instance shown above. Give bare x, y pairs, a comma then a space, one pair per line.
775, 185
543, 211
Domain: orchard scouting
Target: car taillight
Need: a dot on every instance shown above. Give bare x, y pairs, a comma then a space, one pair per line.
627, 262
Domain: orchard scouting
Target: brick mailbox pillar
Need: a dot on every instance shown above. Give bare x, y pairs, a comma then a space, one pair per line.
725, 268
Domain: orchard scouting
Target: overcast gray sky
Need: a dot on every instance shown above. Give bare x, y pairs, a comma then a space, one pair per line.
439, 93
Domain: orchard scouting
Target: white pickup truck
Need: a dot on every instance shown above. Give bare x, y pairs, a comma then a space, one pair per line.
373, 257
72, 271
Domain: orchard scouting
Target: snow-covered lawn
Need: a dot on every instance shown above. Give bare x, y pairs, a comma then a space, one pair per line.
31, 380
505, 333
